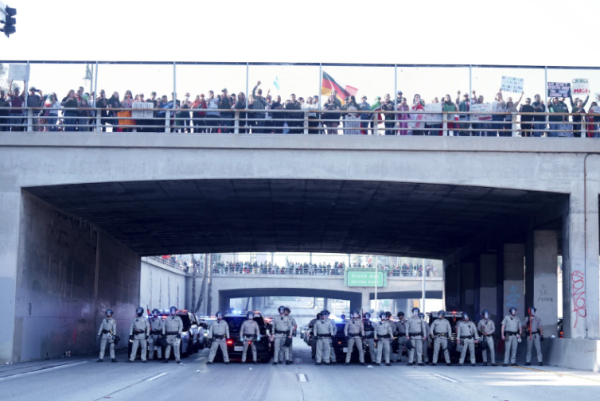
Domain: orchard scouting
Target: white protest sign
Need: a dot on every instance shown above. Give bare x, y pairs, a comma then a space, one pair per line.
142, 113
512, 84
433, 108
481, 108
596, 109
18, 72
580, 86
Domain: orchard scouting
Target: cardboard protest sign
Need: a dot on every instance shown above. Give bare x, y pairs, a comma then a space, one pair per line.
417, 121
580, 86
433, 108
559, 89
512, 84
481, 108
141, 114
18, 72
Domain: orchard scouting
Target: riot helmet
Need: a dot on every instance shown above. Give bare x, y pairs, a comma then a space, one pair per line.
324, 313
441, 314
512, 311
318, 315
109, 313
415, 312
354, 314
382, 316
465, 316
139, 311
388, 315
367, 316
343, 316
155, 312
422, 315
281, 309
287, 310
219, 315
486, 314
173, 310
250, 315
400, 315
532, 311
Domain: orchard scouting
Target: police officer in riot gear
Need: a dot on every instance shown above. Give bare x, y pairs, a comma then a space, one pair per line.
487, 328
425, 340
282, 325
535, 334
290, 351
173, 328
323, 331
511, 331
415, 331
400, 332
370, 336
383, 335
354, 332
138, 333
219, 332
441, 332
466, 333
107, 333
156, 327
249, 333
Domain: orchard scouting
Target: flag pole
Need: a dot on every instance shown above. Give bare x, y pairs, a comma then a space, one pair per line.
320, 83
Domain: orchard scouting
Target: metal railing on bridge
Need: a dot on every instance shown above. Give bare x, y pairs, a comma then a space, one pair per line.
303, 121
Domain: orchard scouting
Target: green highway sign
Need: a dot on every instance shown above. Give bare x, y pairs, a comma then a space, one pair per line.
364, 278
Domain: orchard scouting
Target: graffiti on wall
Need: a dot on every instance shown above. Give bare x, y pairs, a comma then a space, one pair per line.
578, 294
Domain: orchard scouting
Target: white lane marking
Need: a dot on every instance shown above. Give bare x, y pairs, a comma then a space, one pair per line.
451, 380
302, 377
157, 376
66, 365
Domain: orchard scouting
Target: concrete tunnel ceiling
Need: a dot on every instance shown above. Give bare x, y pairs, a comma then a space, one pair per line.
268, 215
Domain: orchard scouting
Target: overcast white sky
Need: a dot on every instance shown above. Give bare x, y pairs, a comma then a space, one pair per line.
523, 32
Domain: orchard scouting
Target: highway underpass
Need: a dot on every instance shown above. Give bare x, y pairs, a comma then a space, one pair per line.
80, 211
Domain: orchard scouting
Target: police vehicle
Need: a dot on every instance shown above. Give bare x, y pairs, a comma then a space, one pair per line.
235, 344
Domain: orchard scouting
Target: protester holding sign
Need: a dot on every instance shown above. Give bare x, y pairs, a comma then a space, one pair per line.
526, 119
577, 107
450, 107
463, 105
498, 106
539, 124
511, 108
417, 125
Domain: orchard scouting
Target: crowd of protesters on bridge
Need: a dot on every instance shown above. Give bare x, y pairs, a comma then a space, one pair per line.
268, 114
322, 268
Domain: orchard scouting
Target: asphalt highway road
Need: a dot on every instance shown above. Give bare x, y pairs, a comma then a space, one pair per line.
84, 379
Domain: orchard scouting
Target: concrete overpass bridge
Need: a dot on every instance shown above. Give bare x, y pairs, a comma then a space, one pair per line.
225, 287
78, 212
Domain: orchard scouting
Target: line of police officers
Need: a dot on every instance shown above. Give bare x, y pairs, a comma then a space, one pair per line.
145, 334
413, 333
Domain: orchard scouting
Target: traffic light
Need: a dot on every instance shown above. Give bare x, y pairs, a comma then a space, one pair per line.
7, 14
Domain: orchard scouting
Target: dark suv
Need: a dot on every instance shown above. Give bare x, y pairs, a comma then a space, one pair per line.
235, 344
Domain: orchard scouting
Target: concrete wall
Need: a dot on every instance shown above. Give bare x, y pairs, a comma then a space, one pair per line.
162, 287
69, 273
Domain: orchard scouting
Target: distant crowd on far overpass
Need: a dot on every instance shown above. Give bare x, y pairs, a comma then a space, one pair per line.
228, 112
323, 269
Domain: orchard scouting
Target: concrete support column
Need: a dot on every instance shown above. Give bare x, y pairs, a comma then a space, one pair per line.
467, 288
541, 282
326, 303
10, 206
487, 285
365, 302
580, 258
451, 286
514, 286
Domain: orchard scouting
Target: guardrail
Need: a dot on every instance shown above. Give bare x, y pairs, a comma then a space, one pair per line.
329, 122
431, 271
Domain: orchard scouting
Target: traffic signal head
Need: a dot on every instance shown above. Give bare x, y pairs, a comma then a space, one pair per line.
8, 15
